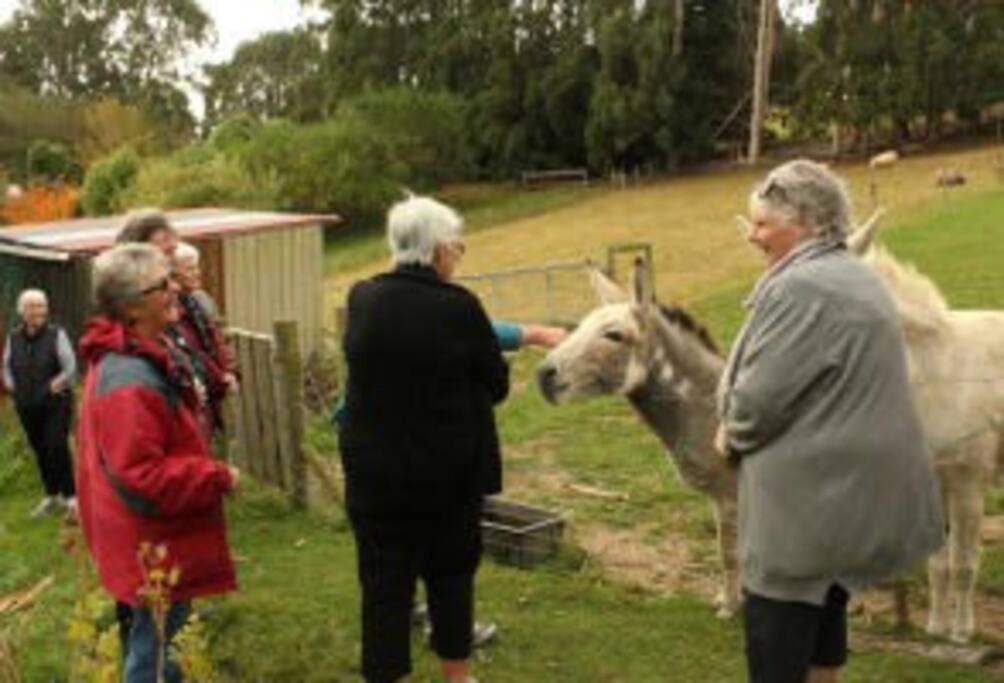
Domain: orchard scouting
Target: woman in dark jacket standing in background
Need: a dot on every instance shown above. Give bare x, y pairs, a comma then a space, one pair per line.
419, 446
38, 369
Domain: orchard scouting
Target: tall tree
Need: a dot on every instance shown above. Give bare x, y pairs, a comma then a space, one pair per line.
87, 48
275, 75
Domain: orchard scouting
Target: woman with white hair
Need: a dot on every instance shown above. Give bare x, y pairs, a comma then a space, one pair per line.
213, 360
145, 474
836, 491
38, 369
419, 443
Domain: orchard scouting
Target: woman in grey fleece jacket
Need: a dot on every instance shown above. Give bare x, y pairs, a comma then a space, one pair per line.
836, 489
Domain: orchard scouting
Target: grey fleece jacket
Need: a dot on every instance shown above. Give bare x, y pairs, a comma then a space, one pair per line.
835, 483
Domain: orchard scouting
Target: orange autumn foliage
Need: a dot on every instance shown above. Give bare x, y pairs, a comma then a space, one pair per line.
41, 203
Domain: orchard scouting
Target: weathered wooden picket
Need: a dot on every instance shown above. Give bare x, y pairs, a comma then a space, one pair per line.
265, 418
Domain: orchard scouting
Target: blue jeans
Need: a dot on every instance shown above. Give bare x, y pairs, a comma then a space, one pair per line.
141, 653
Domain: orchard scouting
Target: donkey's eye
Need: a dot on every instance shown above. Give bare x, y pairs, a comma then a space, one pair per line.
614, 336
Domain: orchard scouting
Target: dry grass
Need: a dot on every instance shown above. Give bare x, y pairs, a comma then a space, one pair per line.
690, 222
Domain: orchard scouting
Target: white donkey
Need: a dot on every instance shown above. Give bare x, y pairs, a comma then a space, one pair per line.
956, 362
624, 347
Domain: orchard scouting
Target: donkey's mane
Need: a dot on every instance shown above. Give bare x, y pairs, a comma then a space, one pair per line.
680, 318
918, 299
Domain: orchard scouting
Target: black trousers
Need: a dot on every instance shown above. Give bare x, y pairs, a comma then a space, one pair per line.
47, 427
786, 639
444, 552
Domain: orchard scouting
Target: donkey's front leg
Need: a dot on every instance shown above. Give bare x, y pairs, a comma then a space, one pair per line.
726, 518
966, 510
938, 570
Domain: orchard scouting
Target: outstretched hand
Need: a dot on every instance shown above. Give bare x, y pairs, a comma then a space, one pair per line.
543, 335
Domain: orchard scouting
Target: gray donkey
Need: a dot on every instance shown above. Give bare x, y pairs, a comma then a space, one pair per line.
624, 347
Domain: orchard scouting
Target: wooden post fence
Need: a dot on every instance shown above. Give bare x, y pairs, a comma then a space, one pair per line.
266, 417
293, 413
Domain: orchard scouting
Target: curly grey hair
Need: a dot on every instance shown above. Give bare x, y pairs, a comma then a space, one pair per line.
809, 194
121, 273
417, 225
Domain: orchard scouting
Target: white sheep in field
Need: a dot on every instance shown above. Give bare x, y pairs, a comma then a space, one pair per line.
948, 177
884, 159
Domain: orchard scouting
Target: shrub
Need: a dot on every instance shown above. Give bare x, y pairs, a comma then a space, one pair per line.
106, 182
343, 166
41, 203
51, 161
231, 135
199, 176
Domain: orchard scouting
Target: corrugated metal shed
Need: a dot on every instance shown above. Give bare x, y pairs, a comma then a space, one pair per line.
259, 266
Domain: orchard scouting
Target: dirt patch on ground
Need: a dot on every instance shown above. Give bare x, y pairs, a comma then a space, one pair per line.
635, 556
669, 561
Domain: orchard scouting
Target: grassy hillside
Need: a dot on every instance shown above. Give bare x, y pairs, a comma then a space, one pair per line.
690, 221
629, 599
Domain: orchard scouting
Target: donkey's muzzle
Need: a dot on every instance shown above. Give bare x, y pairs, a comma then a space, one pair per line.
547, 380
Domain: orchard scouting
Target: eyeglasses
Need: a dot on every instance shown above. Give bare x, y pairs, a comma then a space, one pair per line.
161, 285
458, 248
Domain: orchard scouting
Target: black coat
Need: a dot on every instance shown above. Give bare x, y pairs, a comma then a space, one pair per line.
425, 370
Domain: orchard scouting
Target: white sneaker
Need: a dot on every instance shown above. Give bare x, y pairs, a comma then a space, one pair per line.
45, 506
482, 634
71, 506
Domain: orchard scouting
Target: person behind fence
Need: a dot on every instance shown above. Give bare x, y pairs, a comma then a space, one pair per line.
145, 474
836, 491
149, 226
212, 358
419, 444
38, 370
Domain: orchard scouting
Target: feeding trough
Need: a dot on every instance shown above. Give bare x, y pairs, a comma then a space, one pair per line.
519, 534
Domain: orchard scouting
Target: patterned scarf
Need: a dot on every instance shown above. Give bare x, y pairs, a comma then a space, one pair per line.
169, 359
200, 321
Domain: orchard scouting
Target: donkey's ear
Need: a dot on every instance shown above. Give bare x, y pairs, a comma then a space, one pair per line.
861, 240
642, 287
605, 288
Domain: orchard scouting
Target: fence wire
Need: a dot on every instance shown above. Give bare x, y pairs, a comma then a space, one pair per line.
557, 293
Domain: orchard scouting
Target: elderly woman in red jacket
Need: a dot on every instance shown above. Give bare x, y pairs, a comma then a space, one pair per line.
144, 470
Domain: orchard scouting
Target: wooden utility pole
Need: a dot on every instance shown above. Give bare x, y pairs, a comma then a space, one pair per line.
761, 75
679, 15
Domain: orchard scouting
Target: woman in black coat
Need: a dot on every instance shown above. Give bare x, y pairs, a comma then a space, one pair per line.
419, 444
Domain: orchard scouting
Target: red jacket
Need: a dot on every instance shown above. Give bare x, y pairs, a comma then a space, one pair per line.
144, 472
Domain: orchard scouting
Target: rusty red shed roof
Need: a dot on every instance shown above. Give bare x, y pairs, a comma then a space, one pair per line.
60, 239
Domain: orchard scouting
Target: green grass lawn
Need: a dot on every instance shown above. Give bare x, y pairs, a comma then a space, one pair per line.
581, 618
294, 618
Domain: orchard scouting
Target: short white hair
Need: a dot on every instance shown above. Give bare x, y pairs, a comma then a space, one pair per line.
120, 273
809, 194
417, 225
30, 296
186, 253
